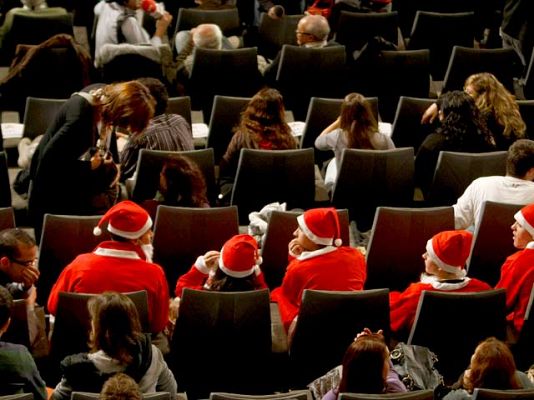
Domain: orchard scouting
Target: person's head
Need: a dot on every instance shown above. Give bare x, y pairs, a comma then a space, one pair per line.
126, 104
120, 387
127, 221
34, 4
207, 36
182, 183
446, 254
492, 367
239, 262
17, 251
159, 92
357, 121
523, 227
6, 303
115, 326
365, 365
318, 228
520, 161
312, 28
492, 98
264, 118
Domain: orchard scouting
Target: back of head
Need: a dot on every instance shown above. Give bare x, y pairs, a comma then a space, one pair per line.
11, 240
358, 121
316, 25
364, 365
159, 92
126, 104
6, 302
120, 387
208, 36
116, 326
182, 183
492, 366
520, 158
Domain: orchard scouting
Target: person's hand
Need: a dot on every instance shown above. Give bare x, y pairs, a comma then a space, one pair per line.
163, 23
467, 378
32, 298
25, 275
96, 160
211, 259
367, 331
295, 248
174, 306
430, 114
109, 160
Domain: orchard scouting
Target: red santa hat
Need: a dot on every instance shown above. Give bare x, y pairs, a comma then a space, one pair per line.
239, 256
449, 250
525, 217
125, 219
321, 226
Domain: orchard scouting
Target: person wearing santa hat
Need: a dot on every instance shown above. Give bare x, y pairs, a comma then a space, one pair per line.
235, 268
445, 258
517, 272
123, 264
320, 262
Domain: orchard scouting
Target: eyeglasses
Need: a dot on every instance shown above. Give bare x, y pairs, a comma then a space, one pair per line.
27, 264
303, 33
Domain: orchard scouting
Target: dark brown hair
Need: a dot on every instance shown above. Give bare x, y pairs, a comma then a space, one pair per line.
185, 183
358, 121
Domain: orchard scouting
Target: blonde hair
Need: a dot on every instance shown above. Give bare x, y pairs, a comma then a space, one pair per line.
492, 98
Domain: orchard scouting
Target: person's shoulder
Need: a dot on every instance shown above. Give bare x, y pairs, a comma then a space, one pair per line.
6, 347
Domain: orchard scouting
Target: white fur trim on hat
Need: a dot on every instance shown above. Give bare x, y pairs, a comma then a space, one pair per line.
234, 274
312, 236
130, 235
457, 270
520, 218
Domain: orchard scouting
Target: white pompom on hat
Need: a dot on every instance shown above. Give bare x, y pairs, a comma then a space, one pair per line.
525, 217
239, 256
321, 226
125, 219
449, 250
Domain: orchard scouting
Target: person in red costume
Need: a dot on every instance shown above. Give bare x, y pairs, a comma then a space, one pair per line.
123, 264
445, 258
318, 261
517, 272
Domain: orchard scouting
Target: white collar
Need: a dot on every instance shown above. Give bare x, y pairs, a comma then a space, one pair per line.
530, 245
107, 252
305, 255
445, 285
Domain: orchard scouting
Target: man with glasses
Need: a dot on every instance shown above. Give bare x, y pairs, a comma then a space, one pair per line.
18, 263
312, 32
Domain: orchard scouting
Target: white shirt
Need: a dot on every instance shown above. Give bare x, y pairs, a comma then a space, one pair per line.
502, 189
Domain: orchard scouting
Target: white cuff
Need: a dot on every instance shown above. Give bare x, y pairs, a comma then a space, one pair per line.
200, 264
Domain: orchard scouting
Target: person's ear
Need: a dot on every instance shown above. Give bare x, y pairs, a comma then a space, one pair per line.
529, 176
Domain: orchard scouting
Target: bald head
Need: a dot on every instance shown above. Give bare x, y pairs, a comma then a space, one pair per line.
208, 36
312, 28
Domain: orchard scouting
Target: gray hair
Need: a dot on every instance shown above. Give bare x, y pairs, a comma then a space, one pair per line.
317, 25
208, 36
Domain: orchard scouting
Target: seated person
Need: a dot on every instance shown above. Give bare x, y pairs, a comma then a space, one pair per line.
492, 367
123, 264
517, 272
120, 387
16, 363
445, 258
181, 184
367, 368
168, 132
318, 261
117, 23
117, 345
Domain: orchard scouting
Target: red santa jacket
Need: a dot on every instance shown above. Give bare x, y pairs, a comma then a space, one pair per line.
403, 306
517, 277
120, 267
330, 268
199, 274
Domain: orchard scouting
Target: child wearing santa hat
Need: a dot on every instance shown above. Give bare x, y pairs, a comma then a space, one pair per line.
445, 258
318, 262
235, 268
517, 272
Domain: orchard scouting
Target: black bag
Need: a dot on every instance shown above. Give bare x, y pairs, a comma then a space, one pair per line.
415, 367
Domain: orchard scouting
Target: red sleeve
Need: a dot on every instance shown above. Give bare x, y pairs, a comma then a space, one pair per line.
194, 279
403, 307
289, 295
63, 284
160, 308
260, 281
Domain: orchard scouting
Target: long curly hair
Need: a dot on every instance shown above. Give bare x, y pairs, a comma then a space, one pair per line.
116, 326
184, 184
264, 121
358, 121
492, 99
492, 367
462, 124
